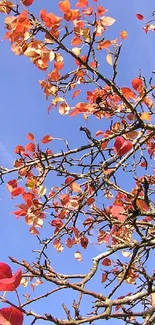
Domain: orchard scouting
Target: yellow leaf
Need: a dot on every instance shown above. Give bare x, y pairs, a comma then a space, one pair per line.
86, 34
124, 34
31, 183
109, 58
145, 116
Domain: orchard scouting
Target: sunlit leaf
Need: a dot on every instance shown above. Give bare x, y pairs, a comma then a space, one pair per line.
107, 21
109, 59
122, 146
145, 116
124, 34
78, 256
46, 139
41, 190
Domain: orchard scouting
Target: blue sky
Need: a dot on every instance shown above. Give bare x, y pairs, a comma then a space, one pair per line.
24, 109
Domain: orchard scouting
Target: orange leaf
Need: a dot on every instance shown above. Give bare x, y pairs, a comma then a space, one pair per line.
76, 93
30, 147
46, 139
54, 75
137, 83
30, 136
101, 10
58, 65
124, 34
82, 4
145, 116
128, 93
104, 45
64, 6
72, 15
19, 150
49, 19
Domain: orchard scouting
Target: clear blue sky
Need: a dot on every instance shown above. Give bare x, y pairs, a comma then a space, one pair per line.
24, 109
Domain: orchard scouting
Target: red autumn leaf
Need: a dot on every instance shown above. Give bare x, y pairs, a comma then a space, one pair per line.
30, 147
57, 223
11, 316
137, 83
90, 200
69, 180
9, 282
46, 139
12, 184
30, 136
5, 270
106, 262
70, 242
76, 93
104, 277
142, 205
140, 17
117, 211
84, 242
27, 2
19, 150
122, 146
17, 191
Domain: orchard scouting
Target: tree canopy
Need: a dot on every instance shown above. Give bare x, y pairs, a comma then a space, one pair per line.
98, 216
